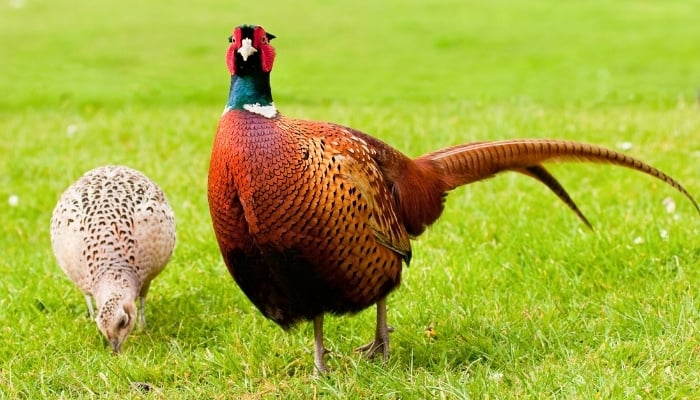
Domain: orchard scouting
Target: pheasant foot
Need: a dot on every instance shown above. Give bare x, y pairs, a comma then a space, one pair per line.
380, 344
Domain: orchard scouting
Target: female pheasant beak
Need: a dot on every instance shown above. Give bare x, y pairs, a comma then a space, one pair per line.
246, 49
116, 345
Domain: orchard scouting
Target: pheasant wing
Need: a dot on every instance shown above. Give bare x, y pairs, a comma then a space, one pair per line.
360, 169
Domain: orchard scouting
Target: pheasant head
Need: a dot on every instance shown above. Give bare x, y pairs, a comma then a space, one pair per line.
116, 319
115, 294
249, 59
250, 50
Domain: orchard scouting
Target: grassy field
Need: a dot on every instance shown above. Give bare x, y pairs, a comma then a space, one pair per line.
525, 302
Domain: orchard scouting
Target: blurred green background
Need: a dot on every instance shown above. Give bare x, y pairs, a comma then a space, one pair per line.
111, 53
525, 301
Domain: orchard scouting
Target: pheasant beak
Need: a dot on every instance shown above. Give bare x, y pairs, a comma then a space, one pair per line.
116, 346
246, 49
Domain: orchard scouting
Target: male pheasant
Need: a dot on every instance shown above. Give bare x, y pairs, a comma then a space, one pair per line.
314, 218
112, 232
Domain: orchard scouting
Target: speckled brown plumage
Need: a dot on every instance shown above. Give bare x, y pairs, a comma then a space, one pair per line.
314, 218
112, 232
325, 203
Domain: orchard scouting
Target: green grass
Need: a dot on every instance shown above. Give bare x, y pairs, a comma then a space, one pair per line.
526, 303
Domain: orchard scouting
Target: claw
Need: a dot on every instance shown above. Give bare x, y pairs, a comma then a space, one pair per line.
380, 344
374, 348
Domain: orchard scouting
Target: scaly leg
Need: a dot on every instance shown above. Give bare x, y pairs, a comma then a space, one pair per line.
142, 305
142, 312
381, 336
319, 349
91, 310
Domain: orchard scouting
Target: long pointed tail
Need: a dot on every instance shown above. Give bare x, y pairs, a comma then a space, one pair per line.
472, 162
541, 174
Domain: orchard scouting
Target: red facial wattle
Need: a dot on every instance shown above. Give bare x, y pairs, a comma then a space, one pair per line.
261, 43
267, 52
231, 53
231, 58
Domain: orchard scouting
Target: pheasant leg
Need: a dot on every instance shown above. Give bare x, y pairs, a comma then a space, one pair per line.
91, 310
380, 344
319, 349
142, 305
142, 312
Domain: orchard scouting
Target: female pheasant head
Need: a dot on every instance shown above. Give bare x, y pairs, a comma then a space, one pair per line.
249, 59
116, 319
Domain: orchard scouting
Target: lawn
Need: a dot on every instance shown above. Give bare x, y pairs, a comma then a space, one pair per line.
522, 299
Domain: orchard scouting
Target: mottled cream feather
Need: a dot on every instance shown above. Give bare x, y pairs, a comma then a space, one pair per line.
112, 232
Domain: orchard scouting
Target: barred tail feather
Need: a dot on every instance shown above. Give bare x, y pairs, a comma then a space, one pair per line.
472, 162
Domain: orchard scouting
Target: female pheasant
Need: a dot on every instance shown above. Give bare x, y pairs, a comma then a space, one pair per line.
314, 218
112, 232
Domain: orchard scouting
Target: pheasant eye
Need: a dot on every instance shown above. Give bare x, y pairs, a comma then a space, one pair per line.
231, 39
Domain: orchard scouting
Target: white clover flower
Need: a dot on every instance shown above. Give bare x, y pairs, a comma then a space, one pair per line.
13, 200
71, 130
670, 205
625, 146
496, 376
